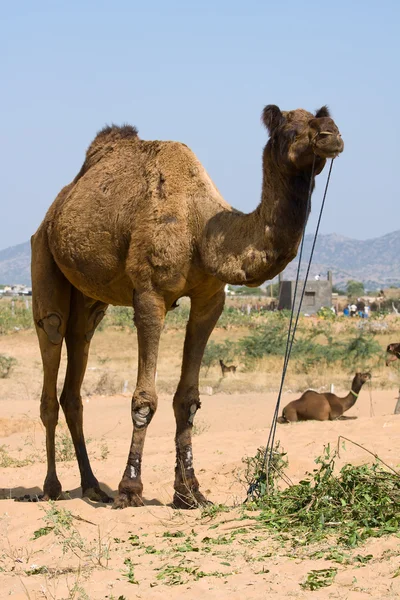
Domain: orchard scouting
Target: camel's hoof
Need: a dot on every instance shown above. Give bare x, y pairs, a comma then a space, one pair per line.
125, 500
96, 495
52, 490
190, 500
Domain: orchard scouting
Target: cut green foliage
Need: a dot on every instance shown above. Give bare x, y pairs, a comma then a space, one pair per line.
212, 510
41, 532
175, 574
130, 574
317, 579
173, 534
357, 503
255, 471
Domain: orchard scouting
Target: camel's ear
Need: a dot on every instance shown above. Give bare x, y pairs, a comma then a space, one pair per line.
272, 117
322, 112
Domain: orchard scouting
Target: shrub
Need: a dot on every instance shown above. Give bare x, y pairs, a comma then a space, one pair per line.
6, 365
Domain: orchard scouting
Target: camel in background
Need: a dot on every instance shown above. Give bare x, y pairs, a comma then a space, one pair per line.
393, 353
313, 406
142, 224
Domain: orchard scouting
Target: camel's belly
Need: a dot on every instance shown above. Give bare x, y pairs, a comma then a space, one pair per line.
111, 288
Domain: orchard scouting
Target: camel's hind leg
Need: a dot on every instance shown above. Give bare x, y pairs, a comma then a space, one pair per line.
50, 303
204, 313
85, 315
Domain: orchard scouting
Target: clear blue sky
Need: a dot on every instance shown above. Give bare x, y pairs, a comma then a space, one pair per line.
199, 73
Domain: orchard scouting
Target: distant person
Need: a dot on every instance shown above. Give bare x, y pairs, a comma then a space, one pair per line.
360, 307
366, 311
353, 310
317, 277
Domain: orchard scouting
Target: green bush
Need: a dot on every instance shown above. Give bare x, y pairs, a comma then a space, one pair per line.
361, 352
6, 365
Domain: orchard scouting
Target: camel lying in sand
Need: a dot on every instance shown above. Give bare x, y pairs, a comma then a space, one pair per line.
393, 353
313, 406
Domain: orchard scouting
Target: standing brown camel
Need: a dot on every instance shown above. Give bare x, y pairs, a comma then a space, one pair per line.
142, 225
226, 369
393, 353
313, 406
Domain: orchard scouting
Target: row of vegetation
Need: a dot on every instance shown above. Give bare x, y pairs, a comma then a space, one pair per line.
16, 315
316, 346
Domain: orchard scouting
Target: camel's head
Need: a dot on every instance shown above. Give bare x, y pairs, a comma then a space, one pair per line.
393, 353
297, 135
361, 378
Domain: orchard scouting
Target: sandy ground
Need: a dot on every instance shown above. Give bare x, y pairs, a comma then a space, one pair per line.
155, 551
250, 565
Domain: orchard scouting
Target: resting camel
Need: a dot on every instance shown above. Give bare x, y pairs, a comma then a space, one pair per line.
142, 224
393, 353
225, 369
313, 406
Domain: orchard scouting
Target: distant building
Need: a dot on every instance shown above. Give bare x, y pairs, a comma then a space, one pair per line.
16, 290
318, 293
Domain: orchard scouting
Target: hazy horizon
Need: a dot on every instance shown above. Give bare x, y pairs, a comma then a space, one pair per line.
200, 74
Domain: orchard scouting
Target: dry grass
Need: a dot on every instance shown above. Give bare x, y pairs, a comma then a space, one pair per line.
112, 367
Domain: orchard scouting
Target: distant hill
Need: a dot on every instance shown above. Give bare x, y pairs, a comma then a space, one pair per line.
15, 264
375, 262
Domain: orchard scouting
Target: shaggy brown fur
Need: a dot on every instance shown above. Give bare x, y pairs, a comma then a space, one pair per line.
143, 225
313, 406
225, 369
393, 353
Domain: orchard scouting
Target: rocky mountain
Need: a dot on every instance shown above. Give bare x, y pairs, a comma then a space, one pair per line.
376, 262
15, 264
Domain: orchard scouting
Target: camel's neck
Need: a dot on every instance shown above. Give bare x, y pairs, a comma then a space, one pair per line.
249, 249
352, 396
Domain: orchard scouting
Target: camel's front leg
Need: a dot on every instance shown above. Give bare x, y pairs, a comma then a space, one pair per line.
204, 314
149, 317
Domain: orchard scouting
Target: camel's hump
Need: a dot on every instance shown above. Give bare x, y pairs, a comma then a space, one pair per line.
111, 133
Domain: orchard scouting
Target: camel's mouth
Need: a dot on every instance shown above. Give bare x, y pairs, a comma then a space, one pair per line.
328, 144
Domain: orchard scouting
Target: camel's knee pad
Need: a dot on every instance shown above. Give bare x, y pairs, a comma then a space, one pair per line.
142, 416
51, 326
193, 408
